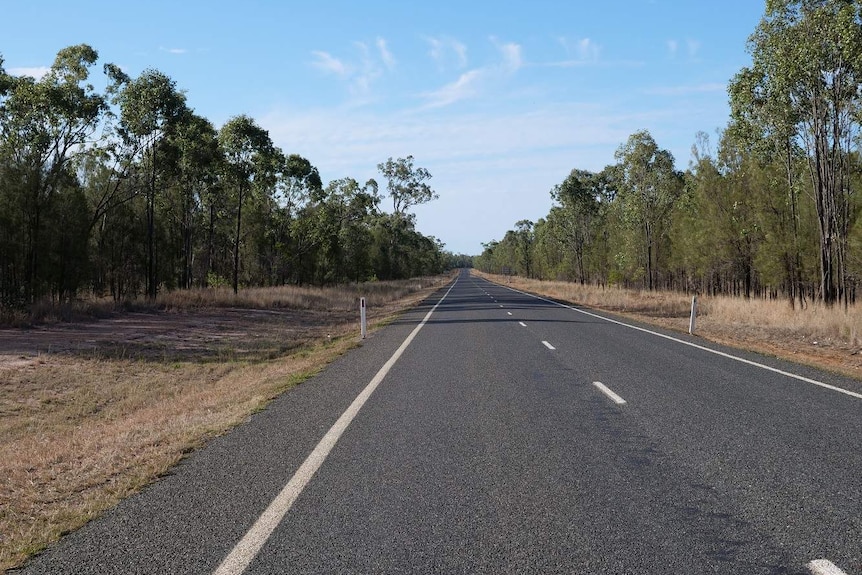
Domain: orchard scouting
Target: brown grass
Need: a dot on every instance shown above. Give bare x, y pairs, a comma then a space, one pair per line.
827, 337
78, 434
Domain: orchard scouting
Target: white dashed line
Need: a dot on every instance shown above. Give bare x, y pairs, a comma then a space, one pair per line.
549, 346
508, 312
522, 324
700, 347
607, 391
824, 567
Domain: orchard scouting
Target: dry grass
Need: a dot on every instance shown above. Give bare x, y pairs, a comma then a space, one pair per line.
339, 298
816, 335
80, 433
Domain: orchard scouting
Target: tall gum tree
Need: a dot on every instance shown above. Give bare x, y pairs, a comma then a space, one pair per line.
648, 189
251, 162
45, 127
803, 86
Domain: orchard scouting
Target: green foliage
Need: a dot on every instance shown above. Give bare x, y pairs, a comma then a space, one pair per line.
163, 200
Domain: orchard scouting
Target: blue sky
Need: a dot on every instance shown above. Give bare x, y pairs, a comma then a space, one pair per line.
499, 100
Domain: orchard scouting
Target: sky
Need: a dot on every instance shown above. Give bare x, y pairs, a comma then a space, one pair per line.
498, 100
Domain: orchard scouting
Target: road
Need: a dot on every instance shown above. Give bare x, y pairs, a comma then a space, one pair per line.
485, 444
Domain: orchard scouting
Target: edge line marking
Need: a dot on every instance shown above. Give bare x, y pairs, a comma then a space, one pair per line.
244, 552
700, 347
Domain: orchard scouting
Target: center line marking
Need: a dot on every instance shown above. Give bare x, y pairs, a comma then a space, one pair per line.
607, 391
522, 324
549, 346
824, 567
508, 312
241, 556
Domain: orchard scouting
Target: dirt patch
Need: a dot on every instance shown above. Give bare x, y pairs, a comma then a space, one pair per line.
200, 336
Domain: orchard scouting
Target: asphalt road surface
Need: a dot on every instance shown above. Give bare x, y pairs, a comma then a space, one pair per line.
503, 433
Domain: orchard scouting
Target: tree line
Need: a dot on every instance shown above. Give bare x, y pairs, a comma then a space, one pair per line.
127, 191
769, 210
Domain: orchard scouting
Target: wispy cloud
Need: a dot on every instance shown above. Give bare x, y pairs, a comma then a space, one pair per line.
175, 51
474, 82
385, 54
580, 52
36, 72
692, 48
368, 64
466, 86
328, 63
447, 52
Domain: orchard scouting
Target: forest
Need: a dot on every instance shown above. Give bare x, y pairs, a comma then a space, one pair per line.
769, 208
127, 192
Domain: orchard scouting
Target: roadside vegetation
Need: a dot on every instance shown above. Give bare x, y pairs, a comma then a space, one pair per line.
769, 209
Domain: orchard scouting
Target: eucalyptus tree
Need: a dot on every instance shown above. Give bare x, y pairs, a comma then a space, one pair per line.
150, 109
251, 164
407, 187
803, 86
198, 162
649, 187
579, 197
45, 128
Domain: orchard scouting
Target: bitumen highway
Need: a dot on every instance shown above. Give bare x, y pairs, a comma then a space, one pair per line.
492, 431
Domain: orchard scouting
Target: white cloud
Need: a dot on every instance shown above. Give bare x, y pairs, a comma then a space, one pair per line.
36, 72
447, 52
672, 48
173, 50
474, 82
466, 86
326, 62
512, 58
693, 48
385, 54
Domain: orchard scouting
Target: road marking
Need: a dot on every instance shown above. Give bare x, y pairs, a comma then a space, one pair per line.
700, 347
501, 305
607, 391
508, 312
238, 560
549, 346
824, 567
522, 324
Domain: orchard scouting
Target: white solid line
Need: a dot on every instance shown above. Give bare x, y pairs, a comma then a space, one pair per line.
824, 567
549, 346
248, 547
607, 391
522, 324
700, 347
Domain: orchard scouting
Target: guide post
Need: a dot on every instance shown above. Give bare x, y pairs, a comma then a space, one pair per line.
363, 327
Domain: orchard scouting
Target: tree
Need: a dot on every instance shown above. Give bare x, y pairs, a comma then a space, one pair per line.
251, 162
45, 128
578, 197
406, 184
150, 108
648, 187
803, 86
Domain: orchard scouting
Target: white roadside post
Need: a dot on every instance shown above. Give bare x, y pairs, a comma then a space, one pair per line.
693, 314
363, 326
